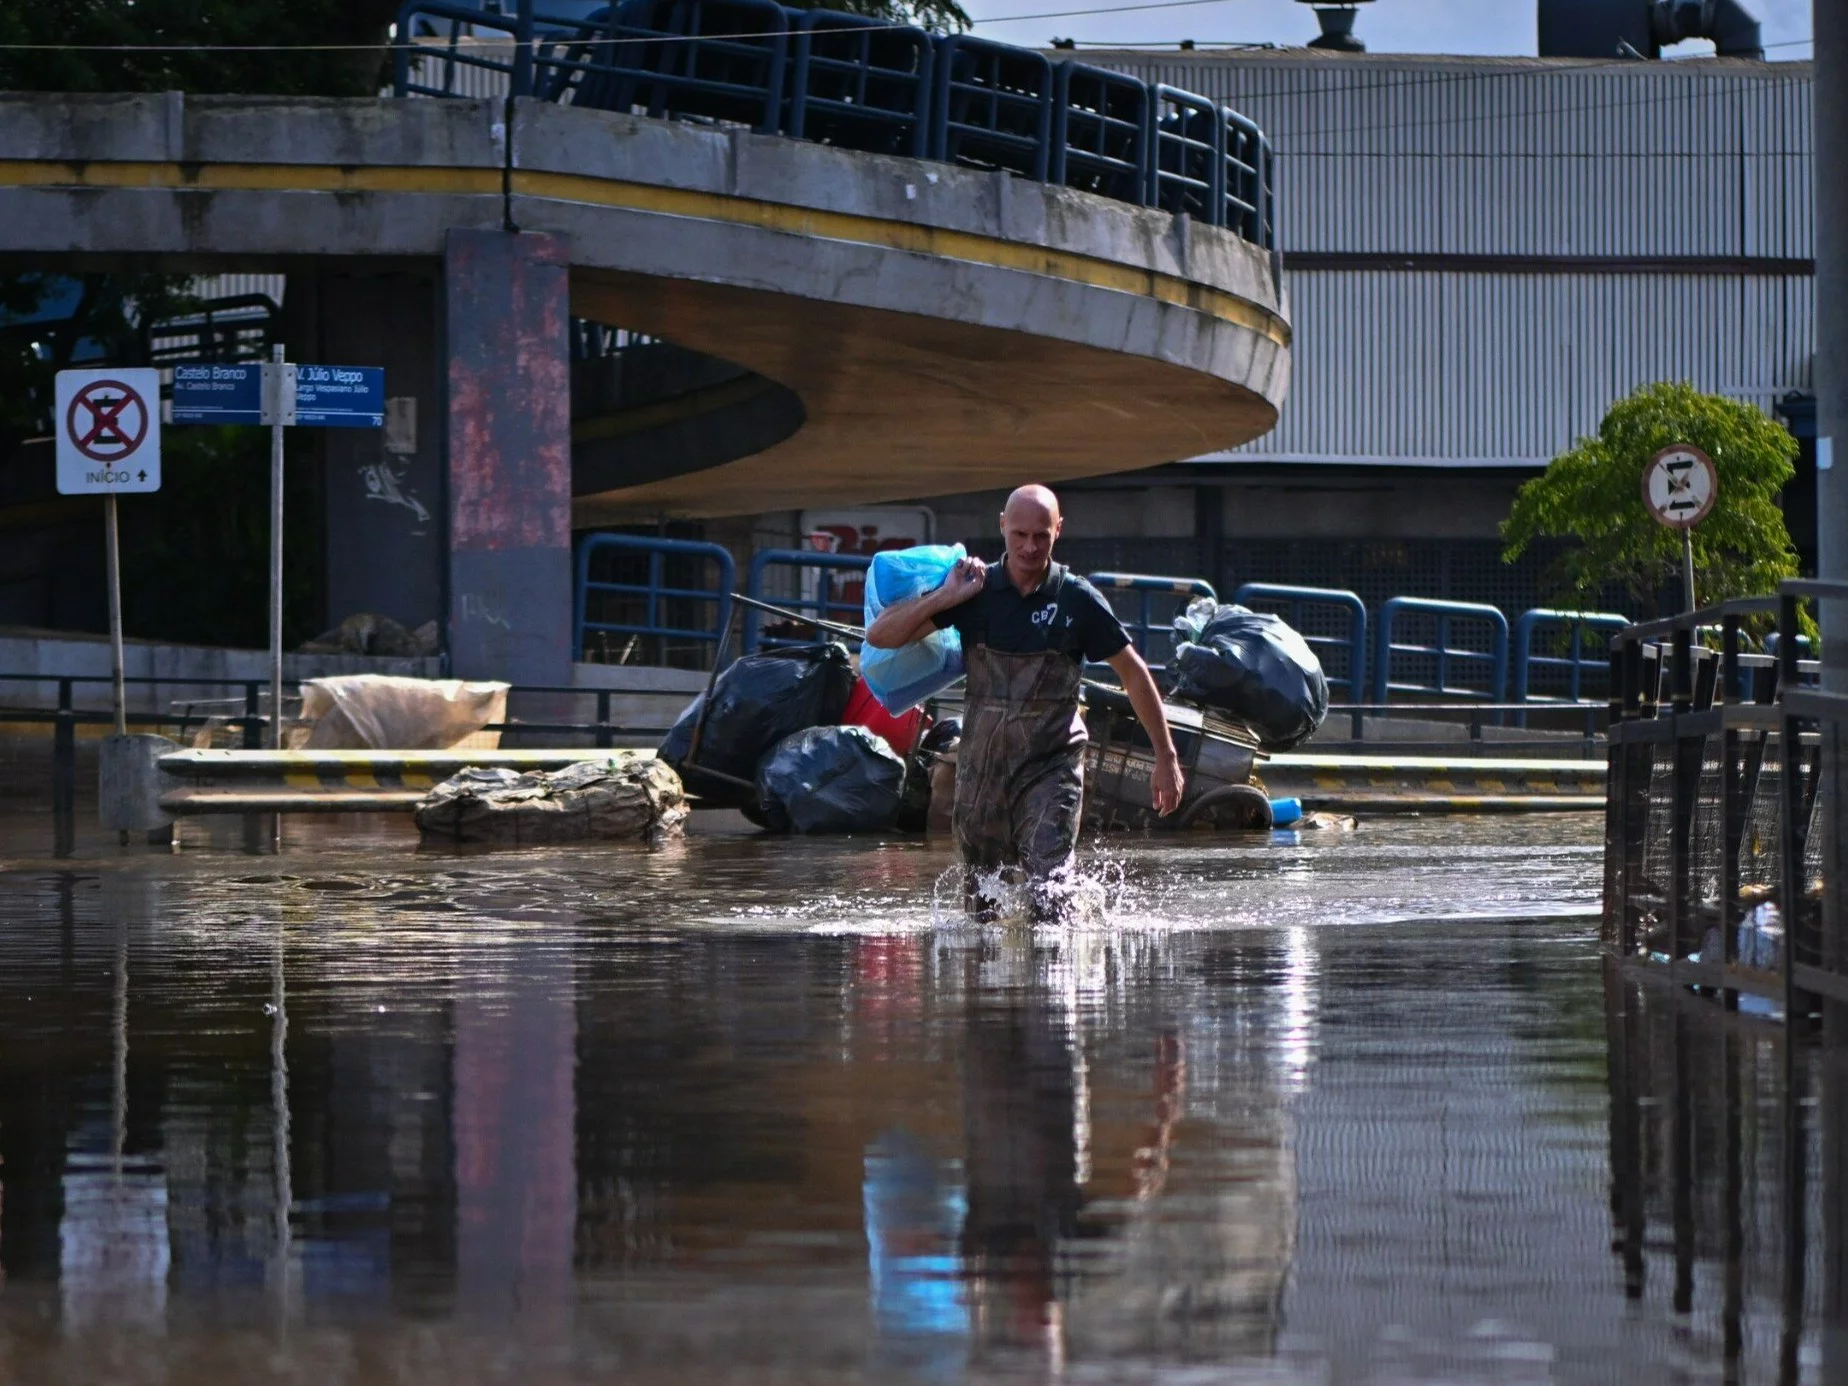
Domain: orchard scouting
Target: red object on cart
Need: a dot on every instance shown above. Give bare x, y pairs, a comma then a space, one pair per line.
863, 710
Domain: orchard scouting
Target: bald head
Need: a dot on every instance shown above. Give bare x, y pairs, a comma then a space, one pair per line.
1035, 501
1029, 523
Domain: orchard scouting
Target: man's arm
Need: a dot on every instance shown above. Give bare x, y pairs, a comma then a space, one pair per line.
909, 620
1166, 785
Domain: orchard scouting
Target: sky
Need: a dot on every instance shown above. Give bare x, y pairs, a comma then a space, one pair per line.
1387, 26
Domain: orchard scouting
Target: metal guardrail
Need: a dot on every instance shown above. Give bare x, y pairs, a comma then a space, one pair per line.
1148, 587
1300, 601
1441, 653
865, 85
824, 603
252, 724
1474, 717
655, 623
1723, 859
1575, 662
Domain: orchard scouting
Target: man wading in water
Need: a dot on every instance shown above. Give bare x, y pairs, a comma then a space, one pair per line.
1027, 626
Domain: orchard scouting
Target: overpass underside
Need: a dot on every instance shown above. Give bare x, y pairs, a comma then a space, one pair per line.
903, 328
895, 405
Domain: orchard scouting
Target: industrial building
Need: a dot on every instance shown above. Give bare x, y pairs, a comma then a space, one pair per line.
1481, 256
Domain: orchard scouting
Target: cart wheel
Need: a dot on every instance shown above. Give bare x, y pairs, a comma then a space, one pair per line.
1236, 806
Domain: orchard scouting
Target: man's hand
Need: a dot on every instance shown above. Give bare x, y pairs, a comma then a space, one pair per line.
903, 622
964, 581
1167, 784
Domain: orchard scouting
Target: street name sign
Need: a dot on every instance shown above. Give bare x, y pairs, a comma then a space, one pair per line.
108, 431
340, 396
212, 393
1680, 485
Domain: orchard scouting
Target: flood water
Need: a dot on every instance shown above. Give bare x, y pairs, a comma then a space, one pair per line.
1329, 1108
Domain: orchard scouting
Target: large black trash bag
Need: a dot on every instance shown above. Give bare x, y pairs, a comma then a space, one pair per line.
830, 780
756, 702
1252, 665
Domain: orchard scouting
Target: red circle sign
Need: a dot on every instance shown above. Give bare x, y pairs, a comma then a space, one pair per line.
1680, 485
106, 421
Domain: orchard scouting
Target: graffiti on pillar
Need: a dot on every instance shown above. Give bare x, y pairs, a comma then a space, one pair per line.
477, 609
385, 480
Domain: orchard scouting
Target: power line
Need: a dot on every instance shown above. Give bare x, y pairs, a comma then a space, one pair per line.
556, 35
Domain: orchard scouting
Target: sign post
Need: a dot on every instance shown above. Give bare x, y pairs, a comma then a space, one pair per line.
1680, 485
108, 434
278, 406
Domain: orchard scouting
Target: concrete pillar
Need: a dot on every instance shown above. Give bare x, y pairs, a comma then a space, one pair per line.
1831, 29
509, 443
383, 489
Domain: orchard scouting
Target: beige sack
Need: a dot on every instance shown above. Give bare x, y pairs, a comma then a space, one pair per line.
389, 712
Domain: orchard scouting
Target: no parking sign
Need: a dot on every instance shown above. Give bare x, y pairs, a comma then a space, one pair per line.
108, 426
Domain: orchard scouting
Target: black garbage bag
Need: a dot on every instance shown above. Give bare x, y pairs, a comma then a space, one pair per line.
756, 702
831, 780
1252, 665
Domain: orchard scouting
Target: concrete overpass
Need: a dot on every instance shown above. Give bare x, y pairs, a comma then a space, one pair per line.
910, 327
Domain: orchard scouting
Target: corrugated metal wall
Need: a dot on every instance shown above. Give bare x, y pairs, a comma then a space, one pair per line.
1524, 157
1638, 168
231, 285
1498, 369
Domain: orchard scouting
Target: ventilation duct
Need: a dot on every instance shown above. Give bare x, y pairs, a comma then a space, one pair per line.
1643, 28
1337, 21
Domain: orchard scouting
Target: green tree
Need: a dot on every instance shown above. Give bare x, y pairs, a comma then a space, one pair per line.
939, 16
50, 322
255, 47
337, 46
1593, 496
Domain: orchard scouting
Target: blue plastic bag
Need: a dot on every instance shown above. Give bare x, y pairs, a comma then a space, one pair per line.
905, 677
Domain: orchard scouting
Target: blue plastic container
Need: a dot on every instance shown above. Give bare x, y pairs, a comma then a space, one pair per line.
1285, 812
905, 677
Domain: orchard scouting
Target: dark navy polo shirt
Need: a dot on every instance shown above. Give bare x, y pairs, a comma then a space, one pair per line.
1064, 613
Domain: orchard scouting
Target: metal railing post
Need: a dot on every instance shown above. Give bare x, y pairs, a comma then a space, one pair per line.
64, 775
253, 741
522, 83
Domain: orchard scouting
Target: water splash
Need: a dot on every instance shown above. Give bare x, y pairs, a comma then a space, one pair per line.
1087, 894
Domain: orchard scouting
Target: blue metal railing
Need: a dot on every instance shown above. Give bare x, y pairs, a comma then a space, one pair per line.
1441, 654
855, 83
1299, 602
1147, 588
653, 593
860, 83
1574, 662
1352, 661
827, 603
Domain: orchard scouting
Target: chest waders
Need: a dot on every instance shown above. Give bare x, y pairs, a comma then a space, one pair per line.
1019, 771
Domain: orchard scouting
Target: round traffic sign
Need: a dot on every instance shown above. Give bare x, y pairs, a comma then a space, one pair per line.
106, 421
1680, 485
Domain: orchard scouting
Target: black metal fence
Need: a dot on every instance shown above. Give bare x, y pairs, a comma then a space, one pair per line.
1723, 821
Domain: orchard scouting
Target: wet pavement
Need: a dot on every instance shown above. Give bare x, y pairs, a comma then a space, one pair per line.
1328, 1108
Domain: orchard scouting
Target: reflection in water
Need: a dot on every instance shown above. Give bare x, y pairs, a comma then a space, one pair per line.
1060, 1230
1303, 1110
1726, 1198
